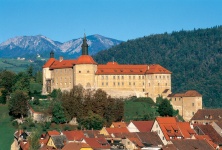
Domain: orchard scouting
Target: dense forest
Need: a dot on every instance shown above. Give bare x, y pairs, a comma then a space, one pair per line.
194, 58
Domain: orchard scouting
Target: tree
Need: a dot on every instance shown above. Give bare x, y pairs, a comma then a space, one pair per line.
34, 139
165, 108
7, 80
92, 121
3, 98
22, 82
58, 115
18, 104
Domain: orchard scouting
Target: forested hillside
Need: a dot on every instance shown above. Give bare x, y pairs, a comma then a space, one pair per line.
194, 57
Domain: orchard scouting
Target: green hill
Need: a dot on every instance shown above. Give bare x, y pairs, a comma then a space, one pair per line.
194, 57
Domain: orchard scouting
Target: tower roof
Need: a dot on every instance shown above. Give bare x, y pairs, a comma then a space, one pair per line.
85, 59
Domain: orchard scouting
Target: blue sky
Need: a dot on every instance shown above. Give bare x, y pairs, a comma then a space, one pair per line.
63, 20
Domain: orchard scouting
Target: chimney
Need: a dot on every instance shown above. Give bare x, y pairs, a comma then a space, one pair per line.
60, 58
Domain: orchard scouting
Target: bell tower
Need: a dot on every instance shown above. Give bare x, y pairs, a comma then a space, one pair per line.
84, 46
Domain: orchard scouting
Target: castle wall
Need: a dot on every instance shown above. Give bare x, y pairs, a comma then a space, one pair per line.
46, 76
84, 74
187, 106
62, 79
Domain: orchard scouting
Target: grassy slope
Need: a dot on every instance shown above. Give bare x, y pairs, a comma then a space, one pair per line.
6, 128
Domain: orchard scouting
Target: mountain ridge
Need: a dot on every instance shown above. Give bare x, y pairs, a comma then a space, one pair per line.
30, 46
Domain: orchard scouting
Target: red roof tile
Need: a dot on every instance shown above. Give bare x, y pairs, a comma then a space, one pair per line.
190, 93
49, 63
119, 124
74, 135
63, 64
53, 132
97, 143
75, 146
85, 59
208, 114
117, 130
115, 68
136, 141
143, 126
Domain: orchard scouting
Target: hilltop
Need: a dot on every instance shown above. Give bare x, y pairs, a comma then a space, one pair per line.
194, 58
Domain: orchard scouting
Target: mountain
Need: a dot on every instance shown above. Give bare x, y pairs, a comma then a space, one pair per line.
31, 46
194, 58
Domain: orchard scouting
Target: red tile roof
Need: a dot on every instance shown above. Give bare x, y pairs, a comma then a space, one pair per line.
210, 131
190, 93
207, 138
49, 62
143, 126
53, 132
117, 130
97, 143
115, 68
136, 141
63, 64
119, 124
85, 59
74, 135
75, 146
171, 128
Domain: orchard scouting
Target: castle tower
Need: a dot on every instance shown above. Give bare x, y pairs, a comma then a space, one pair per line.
85, 68
84, 46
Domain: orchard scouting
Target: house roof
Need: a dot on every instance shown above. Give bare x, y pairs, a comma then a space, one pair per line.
119, 124
24, 145
75, 146
171, 128
115, 68
190, 93
77, 135
85, 59
49, 62
208, 114
97, 143
92, 133
191, 144
117, 130
136, 141
211, 132
59, 140
53, 132
219, 123
143, 126
149, 138
63, 64
207, 138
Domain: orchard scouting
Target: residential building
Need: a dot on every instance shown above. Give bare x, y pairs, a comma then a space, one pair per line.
140, 126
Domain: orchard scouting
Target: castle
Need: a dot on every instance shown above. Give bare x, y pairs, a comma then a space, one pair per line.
116, 79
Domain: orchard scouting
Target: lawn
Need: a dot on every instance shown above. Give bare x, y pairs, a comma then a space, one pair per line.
138, 108
6, 128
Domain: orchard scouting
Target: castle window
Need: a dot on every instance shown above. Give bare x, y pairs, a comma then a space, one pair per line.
114, 84
106, 77
139, 77
192, 113
122, 83
113, 77
102, 77
133, 83
117, 77
122, 77
142, 77
129, 83
133, 77
79, 71
87, 71
175, 99
166, 84
160, 77
129, 77
192, 104
102, 83
106, 83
